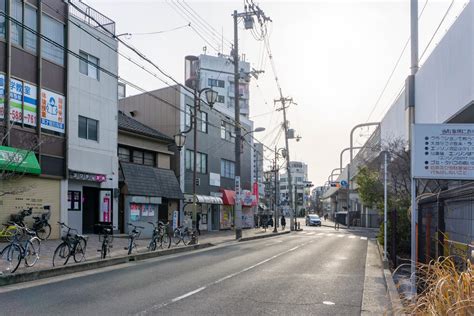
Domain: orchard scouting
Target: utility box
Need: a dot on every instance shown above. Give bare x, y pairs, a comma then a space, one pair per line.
341, 218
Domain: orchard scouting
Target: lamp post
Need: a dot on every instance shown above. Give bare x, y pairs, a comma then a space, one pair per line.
211, 98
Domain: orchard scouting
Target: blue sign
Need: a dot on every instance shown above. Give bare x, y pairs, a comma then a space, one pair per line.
344, 183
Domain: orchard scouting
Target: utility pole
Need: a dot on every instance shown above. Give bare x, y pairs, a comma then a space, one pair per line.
275, 170
292, 204
248, 20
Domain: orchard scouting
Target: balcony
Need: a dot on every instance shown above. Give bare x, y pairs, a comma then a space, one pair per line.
90, 16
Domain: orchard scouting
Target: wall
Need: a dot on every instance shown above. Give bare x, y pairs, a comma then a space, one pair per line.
35, 192
445, 83
394, 124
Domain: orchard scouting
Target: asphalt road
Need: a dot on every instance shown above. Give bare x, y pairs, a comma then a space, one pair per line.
315, 272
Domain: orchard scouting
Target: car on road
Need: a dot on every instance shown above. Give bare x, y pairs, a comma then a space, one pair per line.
313, 220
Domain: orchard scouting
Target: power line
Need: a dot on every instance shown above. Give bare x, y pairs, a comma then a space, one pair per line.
161, 32
394, 68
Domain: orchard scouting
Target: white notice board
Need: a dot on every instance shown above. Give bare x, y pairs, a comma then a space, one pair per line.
443, 151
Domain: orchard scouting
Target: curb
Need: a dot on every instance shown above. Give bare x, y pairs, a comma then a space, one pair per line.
264, 236
94, 264
394, 297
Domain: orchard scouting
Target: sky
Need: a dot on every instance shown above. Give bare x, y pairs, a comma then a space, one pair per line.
334, 59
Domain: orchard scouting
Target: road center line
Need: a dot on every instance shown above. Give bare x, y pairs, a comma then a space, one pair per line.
188, 294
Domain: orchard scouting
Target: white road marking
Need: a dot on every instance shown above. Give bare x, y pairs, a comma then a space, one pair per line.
188, 294
329, 303
352, 236
363, 238
340, 235
321, 234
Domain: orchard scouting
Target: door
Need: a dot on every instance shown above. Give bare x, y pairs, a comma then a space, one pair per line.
215, 217
90, 209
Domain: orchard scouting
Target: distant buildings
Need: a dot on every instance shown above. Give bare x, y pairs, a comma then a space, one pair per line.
299, 177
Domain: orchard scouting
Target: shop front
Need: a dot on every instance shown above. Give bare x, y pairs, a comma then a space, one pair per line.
249, 204
22, 188
148, 194
227, 209
90, 200
208, 207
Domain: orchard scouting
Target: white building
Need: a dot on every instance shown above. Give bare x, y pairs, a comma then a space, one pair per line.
91, 123
299, 177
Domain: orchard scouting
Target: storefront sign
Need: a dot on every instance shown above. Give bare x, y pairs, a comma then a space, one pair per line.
175, 219
52, 111
214, 179
443, 151
2, 96
16, 98
30, 102
105, 206
83, 176
140, 210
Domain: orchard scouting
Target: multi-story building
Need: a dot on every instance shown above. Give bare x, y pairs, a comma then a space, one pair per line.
258, 175
168, 110
34, 107
91, 120
299, 178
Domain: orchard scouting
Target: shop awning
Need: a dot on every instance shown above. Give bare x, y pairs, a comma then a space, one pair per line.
204, 199
228, 197
18, 160
148, 181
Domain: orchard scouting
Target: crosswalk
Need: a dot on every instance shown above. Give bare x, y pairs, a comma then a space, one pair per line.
316, 234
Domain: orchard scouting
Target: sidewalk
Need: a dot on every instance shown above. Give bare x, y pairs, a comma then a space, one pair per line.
120, 243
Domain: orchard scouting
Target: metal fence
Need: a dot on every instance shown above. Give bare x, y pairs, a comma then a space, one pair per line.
86, 14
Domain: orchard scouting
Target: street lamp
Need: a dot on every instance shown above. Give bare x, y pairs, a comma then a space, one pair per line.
180, 140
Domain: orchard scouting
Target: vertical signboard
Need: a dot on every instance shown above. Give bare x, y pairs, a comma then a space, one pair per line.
2, 96
443, 151
16, 100
105, 206
30, 103
52, 111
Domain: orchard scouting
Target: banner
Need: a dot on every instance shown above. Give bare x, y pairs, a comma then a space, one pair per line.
30, 103
16, 100
2, 96
52, 111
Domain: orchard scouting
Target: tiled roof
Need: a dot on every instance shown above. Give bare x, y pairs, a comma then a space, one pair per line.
126, 123
148, 181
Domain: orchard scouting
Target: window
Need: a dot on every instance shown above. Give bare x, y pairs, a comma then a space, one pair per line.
227, 169
30, 21
220, 99
88, 65
201, 119
216, 83
138, 157
148, 159
227, 132
17, 14
2, 18
74, 200
201, 161
54, 31
88, 128
124, 154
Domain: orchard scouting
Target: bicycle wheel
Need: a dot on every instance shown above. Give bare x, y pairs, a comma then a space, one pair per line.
9, 232
152, 245
186, 237
10, 259
103, 250
176, 236
165, 241
80, 250
61, 255
32, 251
130, 245
44, 232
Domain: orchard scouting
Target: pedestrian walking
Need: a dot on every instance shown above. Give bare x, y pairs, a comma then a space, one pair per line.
198, 219
326, 217
336, 224
283, 222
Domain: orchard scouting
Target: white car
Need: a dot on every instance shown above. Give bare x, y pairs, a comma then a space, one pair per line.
313, 220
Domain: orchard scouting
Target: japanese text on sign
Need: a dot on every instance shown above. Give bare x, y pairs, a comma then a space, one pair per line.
444, 151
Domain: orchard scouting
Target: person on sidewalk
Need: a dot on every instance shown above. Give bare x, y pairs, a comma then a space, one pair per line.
198, 219
336, 224
283, 222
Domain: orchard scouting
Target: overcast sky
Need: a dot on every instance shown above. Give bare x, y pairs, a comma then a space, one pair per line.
332, 57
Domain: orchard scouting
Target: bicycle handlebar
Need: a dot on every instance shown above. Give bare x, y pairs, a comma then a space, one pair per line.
135, 226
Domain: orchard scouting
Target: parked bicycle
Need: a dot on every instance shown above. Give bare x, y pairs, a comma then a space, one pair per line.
9, 231
106, 237
160, 236
181, 234
132, 236
19, 219
72, 245
15, 251
41, 225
